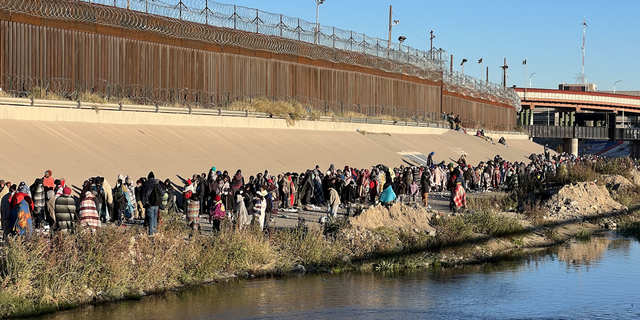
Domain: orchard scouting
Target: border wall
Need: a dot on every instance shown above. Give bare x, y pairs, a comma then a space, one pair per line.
39, 48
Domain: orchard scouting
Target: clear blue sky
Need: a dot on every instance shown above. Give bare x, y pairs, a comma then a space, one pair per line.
546, 33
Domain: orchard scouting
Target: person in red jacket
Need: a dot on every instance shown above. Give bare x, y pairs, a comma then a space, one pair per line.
47, 181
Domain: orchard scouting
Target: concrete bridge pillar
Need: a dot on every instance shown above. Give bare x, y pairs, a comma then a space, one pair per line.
634, 149
570, 145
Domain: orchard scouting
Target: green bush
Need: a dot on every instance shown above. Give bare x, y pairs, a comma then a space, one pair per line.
494, 224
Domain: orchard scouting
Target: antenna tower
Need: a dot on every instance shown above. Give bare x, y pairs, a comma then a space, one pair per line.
583, 78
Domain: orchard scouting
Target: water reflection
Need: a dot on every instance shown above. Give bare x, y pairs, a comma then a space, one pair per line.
589, 253
577, 280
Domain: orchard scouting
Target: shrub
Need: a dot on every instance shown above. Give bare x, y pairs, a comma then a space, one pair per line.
494, 224
583, 234
452, 230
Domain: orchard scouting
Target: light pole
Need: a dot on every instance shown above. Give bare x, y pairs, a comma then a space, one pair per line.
401, 39
318, 3
391, 24
530, 78
431, 39
614, 85
624, 122
524, 62
462, 65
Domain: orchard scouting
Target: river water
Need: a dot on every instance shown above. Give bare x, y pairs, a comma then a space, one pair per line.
598, 279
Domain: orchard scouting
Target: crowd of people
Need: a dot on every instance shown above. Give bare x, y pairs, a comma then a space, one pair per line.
48, 203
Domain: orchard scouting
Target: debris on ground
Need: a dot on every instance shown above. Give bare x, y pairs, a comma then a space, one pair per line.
616, 183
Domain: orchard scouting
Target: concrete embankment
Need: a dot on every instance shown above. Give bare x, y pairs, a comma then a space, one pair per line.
77, 144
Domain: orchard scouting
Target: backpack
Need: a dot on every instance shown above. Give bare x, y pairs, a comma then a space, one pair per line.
155, 197
218, 212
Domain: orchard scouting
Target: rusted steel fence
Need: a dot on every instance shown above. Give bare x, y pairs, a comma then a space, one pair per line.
124, 54
212, 22
74, 90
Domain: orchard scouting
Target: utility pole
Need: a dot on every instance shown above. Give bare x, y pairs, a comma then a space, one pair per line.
390, 23
504, 73
451, 65
318, 3
525, 78
487, 75
584, 34
431, 40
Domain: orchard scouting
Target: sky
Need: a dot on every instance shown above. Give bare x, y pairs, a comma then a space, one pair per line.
546, 33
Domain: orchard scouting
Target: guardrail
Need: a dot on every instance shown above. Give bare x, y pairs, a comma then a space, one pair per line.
40, 103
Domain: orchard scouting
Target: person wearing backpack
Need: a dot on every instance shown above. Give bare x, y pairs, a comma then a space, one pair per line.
217, 213
152, 200
119, 202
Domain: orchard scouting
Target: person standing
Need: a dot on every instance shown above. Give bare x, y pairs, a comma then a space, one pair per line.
131, 190
425, 185
152, 200
334, 202
4, 189
47, 181
138, 195
5, 210
39, 201
119, 201
456, 186
217, 213
20, 215
65, 211
89, 216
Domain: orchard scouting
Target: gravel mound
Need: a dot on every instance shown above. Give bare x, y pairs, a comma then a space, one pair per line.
581, 199
616, 182
399, 216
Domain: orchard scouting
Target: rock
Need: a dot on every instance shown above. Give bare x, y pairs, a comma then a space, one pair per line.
617, 183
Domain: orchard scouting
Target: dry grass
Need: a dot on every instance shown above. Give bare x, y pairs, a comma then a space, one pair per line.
534, 212
495, 202
293, 111
40, 93
91, 98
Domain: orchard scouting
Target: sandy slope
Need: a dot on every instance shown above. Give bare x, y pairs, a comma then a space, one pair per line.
77, 150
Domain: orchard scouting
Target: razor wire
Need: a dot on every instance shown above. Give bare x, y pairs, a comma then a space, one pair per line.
102, 91
106, 92
225, 24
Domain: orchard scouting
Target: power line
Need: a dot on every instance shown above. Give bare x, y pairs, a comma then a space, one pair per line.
417, 35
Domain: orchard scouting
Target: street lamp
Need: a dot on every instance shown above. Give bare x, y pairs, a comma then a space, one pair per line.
530, 78
624, 122
462, 65
614, 85
318, 3
431, 39
401, 39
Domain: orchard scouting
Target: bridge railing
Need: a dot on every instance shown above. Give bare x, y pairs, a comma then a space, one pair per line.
561, 132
